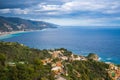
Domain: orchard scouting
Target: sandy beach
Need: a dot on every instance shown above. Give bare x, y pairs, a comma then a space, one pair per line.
7, 33
15, 32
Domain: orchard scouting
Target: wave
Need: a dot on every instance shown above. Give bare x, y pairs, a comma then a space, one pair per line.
108, 58
99, 58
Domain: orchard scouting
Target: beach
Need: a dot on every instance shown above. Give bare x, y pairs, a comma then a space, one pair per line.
4, 35
12, 32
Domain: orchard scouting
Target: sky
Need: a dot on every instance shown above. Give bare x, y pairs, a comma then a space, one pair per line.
65, 12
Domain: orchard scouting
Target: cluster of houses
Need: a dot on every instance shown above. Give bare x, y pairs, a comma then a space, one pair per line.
62, 57
57, 66
114, 71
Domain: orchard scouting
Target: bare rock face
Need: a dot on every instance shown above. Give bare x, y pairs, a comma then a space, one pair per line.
93, 56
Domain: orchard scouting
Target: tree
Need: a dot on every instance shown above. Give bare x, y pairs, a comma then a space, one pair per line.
2, 59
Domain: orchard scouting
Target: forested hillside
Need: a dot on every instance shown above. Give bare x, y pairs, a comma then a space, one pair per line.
19, 62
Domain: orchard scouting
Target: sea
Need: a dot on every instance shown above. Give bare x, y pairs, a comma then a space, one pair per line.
105, 42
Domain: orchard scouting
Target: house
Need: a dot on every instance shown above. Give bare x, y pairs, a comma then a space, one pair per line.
59, 64
77, 58
46, 61
56, 54
64, 58
57, 70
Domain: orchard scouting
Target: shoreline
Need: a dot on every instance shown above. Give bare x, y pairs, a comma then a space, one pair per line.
15, 32
4, 34
7, 33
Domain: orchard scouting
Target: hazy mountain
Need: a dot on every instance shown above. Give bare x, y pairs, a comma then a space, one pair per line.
16, 24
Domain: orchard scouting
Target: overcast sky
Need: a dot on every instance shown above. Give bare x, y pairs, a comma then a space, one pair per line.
65, 12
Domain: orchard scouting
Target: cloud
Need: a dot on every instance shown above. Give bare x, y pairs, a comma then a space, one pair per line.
20, 11
50, 7
26, 3
17, 3
5, 11
69, 6
77, 11
80, 6
91, 6
15, 11
84, 21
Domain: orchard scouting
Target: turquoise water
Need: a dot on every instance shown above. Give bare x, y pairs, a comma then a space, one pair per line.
11, 35
105, 42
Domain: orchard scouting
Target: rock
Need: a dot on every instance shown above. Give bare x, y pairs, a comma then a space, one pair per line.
93, 56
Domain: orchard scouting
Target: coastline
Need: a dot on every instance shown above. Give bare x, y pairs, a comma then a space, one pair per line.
11, 35
15, 32
21, 31
7, 33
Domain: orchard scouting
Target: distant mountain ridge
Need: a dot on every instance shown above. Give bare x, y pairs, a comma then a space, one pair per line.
8, 24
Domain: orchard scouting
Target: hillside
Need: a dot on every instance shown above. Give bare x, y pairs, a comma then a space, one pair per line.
59, 64
8, 24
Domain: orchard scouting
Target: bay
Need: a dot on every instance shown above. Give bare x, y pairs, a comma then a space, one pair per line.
80, 40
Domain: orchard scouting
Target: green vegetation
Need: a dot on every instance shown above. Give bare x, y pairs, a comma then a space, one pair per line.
18, 62
87, 70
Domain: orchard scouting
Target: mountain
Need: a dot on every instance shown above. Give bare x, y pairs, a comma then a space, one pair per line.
8, 24
58, 64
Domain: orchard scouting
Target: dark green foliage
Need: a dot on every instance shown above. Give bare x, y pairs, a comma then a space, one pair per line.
88, 70
2, 59
31, 69
26, 65
17, 52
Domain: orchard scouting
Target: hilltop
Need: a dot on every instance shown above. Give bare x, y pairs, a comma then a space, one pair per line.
59, 64
8, 24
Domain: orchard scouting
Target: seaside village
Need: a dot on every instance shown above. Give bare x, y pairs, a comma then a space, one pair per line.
58, 68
